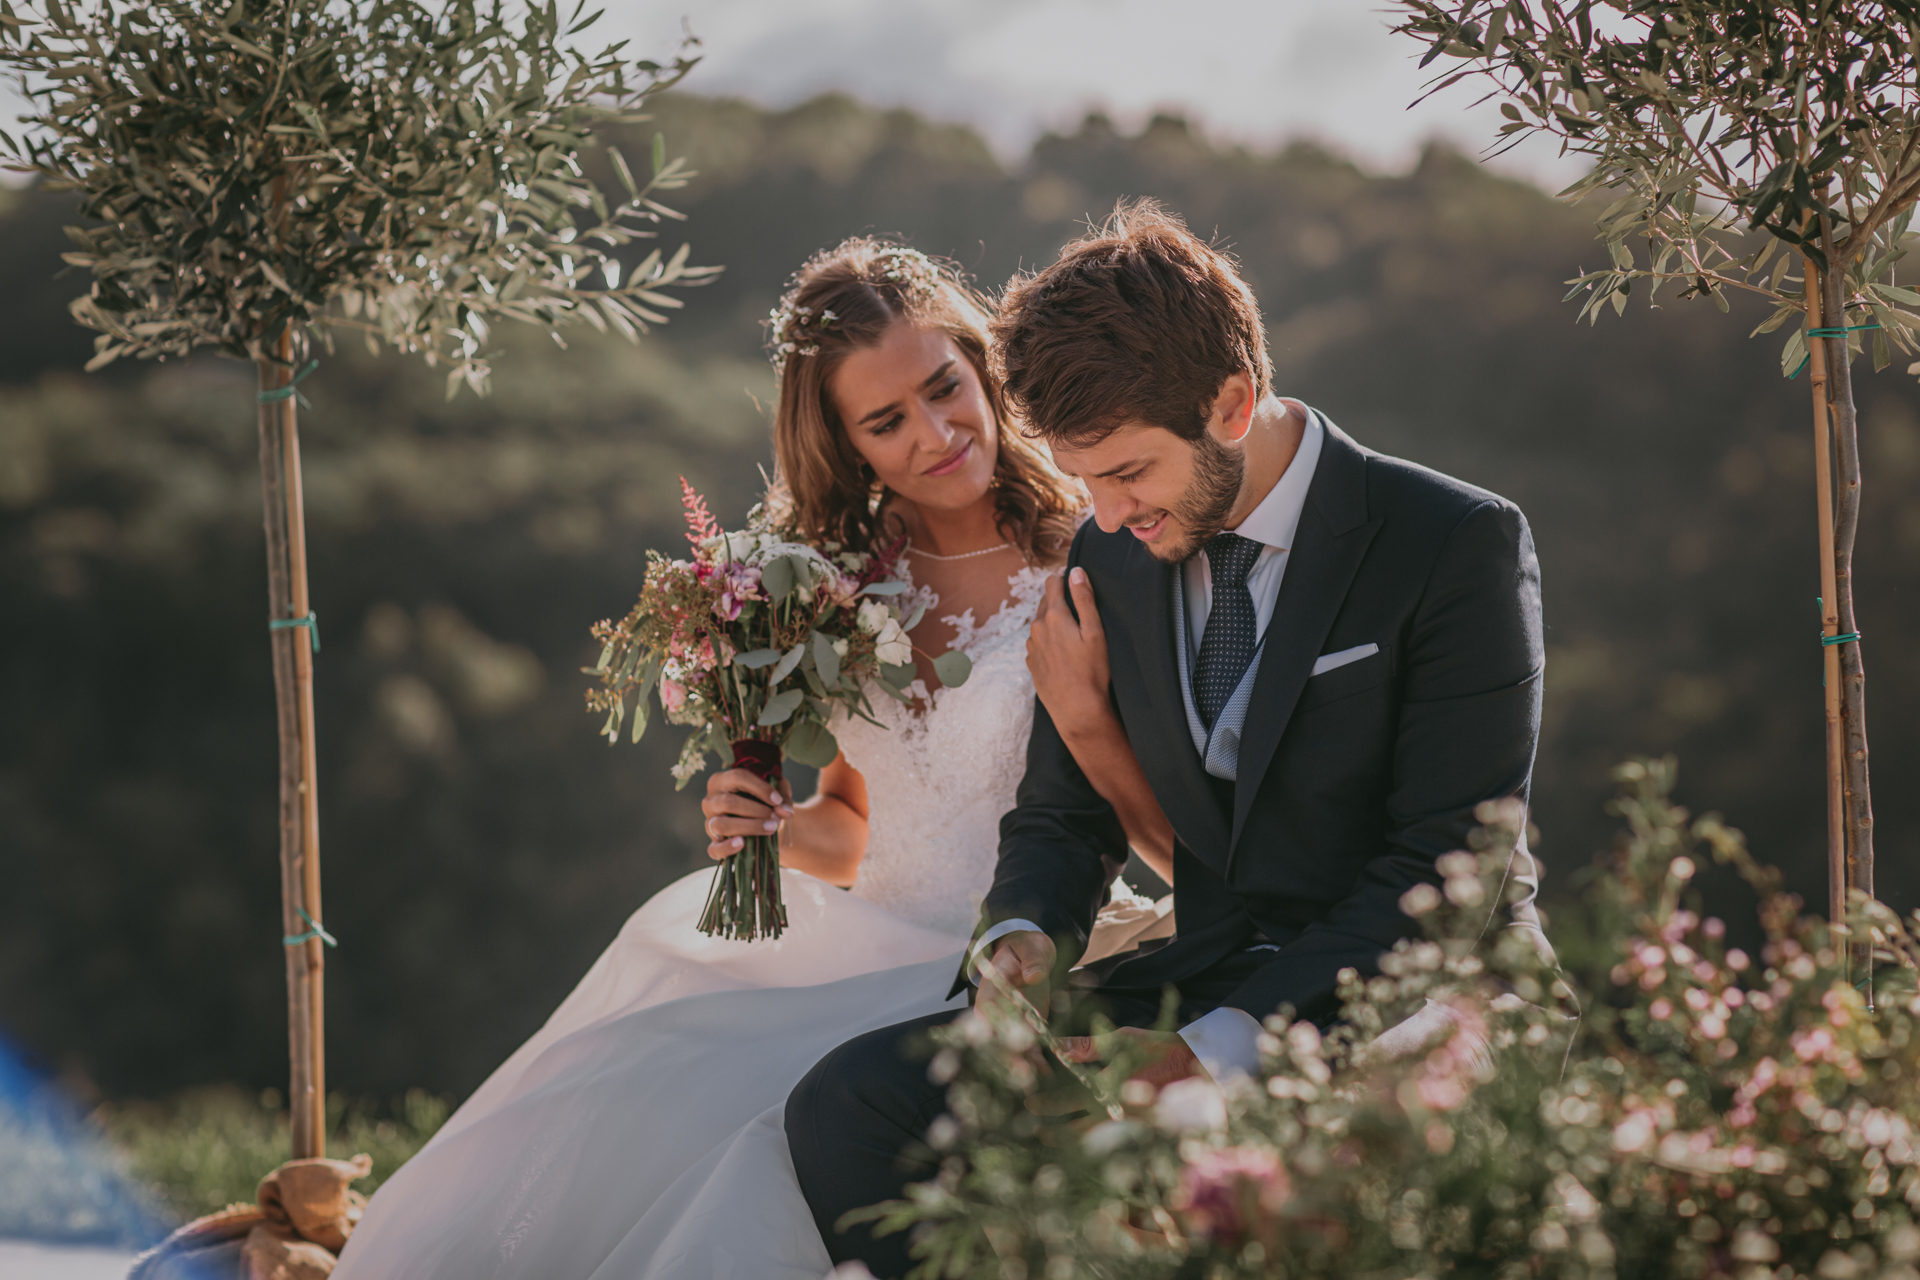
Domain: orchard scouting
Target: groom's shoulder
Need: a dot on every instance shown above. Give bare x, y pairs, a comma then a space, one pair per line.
1404, 491
1096, 550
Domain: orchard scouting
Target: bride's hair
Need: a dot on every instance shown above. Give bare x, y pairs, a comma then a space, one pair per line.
843, 300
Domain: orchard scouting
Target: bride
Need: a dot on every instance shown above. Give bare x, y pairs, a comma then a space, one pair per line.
638, 1133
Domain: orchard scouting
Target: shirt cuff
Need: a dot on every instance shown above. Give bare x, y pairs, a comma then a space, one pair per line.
1227, 1042
992, 936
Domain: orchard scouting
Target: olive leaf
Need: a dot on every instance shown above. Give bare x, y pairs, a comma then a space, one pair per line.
406, 171
1716, 131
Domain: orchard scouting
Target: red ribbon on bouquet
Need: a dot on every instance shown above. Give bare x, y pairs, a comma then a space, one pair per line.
744, 903
761, 759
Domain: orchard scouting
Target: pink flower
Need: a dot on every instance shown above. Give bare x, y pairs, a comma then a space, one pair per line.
673, 695
742, 585
1812, 1044
841, 589
1660, 1010
1224, 1194
1441, 1093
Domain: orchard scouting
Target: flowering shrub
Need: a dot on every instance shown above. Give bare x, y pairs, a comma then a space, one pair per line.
1708, 1114
755, 643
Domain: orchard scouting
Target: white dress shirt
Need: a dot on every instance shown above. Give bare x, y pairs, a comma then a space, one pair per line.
1272, 524
1226, 1040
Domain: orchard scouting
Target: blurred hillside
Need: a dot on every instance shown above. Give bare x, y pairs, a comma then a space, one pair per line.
481, 846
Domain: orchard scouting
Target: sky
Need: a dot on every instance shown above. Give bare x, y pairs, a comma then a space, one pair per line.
1257, 71
1254, 71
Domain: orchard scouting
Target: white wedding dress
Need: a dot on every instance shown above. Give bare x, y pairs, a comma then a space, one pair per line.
638, 1135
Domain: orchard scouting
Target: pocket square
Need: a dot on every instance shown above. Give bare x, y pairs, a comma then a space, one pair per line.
1328, 661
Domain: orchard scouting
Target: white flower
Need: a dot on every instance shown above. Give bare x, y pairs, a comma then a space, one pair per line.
1195, 1103
893, 647
874, 617
1419, 900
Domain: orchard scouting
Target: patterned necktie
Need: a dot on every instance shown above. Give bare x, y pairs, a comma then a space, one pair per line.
1226, 646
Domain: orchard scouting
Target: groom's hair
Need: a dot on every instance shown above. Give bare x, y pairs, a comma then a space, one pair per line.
1139, 321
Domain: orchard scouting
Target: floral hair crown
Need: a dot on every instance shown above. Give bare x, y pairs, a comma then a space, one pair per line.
794, 330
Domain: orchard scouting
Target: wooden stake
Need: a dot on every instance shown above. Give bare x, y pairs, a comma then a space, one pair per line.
1829, 603
316, 956
299, 790
1846, 527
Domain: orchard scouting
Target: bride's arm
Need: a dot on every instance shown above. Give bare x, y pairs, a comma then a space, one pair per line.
824, 837
1068, 659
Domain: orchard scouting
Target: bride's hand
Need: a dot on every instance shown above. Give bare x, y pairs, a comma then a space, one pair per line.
1068, 657
740, 804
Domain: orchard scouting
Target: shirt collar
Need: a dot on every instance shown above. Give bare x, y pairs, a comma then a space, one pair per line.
1277, 518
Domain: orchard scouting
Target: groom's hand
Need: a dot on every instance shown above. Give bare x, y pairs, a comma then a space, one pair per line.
1169, 1057
1022, 961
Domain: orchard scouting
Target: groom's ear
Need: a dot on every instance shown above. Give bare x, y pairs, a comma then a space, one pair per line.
1232, 414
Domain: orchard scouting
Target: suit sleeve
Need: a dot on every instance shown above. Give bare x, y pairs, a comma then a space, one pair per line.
1061, 845
1469, 724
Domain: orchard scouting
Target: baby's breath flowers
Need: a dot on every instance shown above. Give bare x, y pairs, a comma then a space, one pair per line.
755, 643
1710, 1113
794, 329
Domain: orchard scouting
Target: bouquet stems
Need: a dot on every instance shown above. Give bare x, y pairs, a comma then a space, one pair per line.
744, 902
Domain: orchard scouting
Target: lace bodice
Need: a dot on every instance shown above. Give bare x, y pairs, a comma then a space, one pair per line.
938, 780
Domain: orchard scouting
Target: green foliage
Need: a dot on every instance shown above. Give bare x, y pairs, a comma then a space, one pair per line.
205, 1149
130, 1172
1727, 128
459, 546
405, 170
1711, 1114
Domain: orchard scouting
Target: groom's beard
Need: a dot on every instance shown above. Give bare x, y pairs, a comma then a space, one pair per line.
1202, 510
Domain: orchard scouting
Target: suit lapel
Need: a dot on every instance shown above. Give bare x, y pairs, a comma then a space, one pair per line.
1187, 795
1332, 539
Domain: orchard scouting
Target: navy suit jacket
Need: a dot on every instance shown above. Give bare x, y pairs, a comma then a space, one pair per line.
1351, 783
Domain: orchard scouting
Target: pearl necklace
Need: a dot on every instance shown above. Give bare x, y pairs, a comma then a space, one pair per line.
964, 555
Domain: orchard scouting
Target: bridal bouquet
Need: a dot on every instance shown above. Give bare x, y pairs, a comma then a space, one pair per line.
754, 643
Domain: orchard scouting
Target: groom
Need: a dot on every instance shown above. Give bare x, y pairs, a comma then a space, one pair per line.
1324, 659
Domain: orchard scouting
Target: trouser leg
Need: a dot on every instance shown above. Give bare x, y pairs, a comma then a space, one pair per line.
850, 1122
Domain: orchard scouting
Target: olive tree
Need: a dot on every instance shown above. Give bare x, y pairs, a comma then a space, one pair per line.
263, 177
1763, 147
